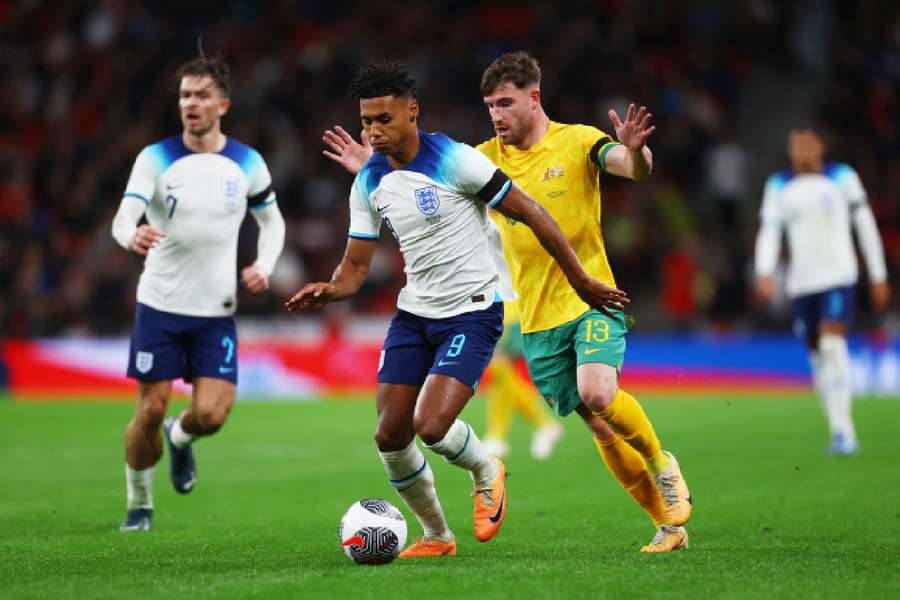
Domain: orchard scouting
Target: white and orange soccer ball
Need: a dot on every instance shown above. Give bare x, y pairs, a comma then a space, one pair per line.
373, 532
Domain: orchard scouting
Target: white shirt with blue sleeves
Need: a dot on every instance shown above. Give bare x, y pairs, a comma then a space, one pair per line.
199, 201
816, 210
436, 207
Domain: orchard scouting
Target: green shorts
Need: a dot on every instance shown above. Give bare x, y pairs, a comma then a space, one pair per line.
554, 355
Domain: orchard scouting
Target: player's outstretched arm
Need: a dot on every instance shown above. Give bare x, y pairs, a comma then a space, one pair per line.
346, 151
520, 206
631, 158
346, 281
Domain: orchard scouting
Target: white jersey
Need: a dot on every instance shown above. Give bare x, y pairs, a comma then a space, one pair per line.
816, 210
199, 201
436, 207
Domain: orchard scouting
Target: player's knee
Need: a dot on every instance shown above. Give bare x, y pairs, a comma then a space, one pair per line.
598, 395
151, 412
431, 430
212, 419
389, 440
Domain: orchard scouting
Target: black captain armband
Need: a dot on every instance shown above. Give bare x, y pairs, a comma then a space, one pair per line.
600, 148
495, 190
260, 199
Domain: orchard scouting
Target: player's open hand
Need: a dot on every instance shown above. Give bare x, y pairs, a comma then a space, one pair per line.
603, 297
311, 297
146, 237
254, 279
633, 133
346, 151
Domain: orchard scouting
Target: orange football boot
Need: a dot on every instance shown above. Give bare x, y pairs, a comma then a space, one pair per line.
424, 547
490, 506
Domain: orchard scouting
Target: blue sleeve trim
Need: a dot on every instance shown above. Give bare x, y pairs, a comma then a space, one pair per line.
135, 195
501, 194
363, 236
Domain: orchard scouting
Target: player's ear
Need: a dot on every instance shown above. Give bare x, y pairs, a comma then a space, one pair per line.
224, 105
535, 96
413, 110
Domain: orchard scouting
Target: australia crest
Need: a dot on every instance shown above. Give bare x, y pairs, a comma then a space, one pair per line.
427, 200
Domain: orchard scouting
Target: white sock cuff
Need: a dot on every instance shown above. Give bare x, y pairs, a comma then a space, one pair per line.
455, 442
404, 467
180, 438
832, 343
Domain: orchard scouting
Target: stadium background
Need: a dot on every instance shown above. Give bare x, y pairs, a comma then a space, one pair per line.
85, 85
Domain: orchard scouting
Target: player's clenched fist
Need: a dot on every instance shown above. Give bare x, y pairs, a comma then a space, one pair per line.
254, 279
311, 297
144, 238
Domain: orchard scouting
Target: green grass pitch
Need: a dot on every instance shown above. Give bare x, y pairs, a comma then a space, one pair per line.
774, 516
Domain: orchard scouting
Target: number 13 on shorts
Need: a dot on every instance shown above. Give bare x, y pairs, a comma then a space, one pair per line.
596, 330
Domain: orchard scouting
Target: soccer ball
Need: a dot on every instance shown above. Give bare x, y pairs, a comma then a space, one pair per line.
373, 532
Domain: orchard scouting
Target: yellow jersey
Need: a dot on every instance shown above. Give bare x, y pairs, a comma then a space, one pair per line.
562, 173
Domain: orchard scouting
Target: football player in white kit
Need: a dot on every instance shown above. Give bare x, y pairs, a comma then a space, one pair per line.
816, 202
194, 190
433, 194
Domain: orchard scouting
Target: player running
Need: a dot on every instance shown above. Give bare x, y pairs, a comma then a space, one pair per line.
433, 194
815, 201
574, 352
194, 190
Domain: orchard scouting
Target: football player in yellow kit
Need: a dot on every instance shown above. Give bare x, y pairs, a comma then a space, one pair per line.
574, 352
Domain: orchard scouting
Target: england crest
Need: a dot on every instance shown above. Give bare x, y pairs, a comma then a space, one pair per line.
427, 200
230, 189
143, 362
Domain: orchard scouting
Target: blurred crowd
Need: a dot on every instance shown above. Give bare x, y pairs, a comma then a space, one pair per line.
85, 85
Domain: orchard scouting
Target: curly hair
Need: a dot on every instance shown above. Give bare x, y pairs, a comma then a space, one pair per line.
202, 66
518, 68
383, 79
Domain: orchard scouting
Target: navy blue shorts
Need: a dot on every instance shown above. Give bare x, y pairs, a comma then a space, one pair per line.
167, 346
460, 347
836, 304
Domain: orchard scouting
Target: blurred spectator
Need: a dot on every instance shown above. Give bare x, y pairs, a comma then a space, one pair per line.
84, 85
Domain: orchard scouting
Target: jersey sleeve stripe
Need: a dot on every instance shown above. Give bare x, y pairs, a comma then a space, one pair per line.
494, 188
601, 156
595, 149
136, 195
364, 236
501, 194
271, 200
260, 198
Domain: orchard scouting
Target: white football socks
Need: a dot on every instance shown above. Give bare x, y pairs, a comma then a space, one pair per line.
180, 438
411, 476
139, 486
835, 390
463, 448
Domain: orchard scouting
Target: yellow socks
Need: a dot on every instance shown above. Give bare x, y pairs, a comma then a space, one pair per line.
510, 391
628, 467
628, 419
